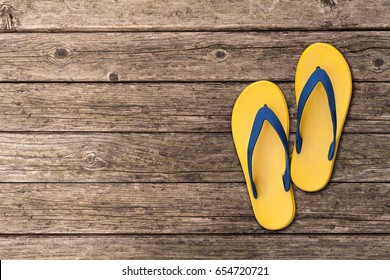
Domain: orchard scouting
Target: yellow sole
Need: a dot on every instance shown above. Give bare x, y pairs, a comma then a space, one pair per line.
274, 208
311, 170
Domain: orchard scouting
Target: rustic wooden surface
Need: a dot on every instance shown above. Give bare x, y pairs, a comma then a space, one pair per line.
264, 246
183, 56
162, 157
115, 137
182, 208
159, 107
108, 15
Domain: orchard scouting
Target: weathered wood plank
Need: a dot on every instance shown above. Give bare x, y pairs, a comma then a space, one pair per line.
258, 246
182, 56
162, 157
193, 15
159, 107
183, 208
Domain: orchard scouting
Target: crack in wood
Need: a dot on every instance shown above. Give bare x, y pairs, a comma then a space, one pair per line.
329, 3
8, 18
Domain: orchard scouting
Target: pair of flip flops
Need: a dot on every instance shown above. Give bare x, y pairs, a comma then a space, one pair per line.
260, 127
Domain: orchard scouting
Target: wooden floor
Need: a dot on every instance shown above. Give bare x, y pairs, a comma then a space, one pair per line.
115, 138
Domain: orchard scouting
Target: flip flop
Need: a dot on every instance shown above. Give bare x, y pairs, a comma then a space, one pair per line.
260, 127
323, 87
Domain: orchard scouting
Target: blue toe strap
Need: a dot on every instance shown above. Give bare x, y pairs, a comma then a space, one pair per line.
266, 114
319, 75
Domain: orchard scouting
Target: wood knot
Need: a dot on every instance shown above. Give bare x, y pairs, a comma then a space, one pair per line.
113, 77
378, 62
61, 53
8, 18
90, 158
93, 163
220, 55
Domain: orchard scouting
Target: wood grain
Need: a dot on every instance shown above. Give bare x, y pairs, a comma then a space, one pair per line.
182, 56
258, 246
159, 107
111, 15
162, 157
116, 144
183, 208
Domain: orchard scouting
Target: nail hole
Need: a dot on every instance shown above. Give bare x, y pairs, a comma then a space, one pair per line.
220, 54
61, 53
113, 77
378, 62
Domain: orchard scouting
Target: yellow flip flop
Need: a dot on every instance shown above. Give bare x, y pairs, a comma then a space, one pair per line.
260, 127
323, 87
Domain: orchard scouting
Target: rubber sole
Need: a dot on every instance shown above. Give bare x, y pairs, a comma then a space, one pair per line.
311, 170
274, 208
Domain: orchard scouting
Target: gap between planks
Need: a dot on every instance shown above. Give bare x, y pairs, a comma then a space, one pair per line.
178, 30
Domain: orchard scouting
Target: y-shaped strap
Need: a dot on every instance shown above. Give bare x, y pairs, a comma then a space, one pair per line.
319, 75
263, 114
